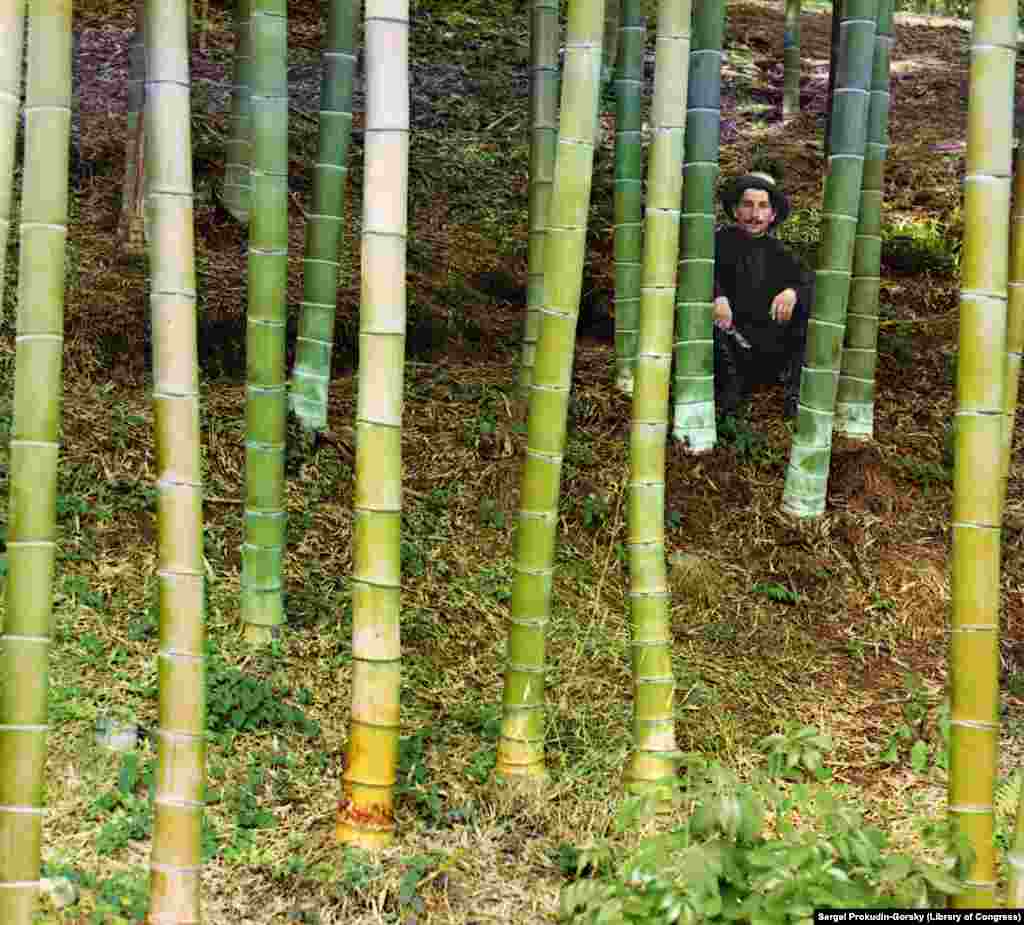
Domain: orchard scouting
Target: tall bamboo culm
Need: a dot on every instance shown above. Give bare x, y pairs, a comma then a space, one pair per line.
365, 817
311, 373
855, 398
628, 190
31, 526
266, 391
811, 450
544, 83
238, 150
694, 396
652, 765
132, 221
181, 752
791, 61
980, 422
521, 744
1014, 317
609, 48
12, 29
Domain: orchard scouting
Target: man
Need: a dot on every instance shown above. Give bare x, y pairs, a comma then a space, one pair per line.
762, 298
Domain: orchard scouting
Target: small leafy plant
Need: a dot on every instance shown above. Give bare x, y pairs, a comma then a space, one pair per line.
722, 865
776, 592
797, 751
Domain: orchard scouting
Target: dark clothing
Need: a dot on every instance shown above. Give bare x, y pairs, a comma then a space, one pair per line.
750, 272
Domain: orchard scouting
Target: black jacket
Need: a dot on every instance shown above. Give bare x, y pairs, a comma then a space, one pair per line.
750, 272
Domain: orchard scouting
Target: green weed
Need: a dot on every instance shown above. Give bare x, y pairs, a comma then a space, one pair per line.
722, 865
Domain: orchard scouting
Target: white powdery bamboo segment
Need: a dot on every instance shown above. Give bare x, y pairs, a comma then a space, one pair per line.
266, 404
977, 484
311, 372
24, 646
178, 803
365, 816
855, 396
694, 395
12, 28
238, 150
653, 763
811, 450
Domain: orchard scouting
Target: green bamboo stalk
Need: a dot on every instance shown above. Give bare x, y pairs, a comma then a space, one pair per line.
238, 150
833, 67
652, 765
1014, 316
31, 528
311, 373
365, 816
855, 397
1015, 862
694, 394
628, 190
266, 391
609, 45
132, 221
12, 28
791, 61
521, 745
807, 475
543, 141
980, 421
175, 861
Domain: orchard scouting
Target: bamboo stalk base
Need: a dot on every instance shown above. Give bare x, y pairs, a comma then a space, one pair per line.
360, 836
258, 635
624, 381
520, 773
855, 420
694, 425
652, 775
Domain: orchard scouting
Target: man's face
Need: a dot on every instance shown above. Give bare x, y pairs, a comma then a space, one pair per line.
754, 212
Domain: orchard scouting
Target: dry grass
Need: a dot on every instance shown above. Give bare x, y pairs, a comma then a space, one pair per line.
864, 590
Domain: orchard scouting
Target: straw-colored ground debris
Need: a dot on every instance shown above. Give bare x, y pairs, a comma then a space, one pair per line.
838, 623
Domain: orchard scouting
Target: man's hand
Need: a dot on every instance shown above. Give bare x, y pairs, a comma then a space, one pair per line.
783, 305
723, 313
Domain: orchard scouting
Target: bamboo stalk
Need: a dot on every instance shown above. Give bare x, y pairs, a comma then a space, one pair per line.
365, 816
266, 390
653, 762
980, 426
311, 373
175, 861
132, 222
855, 398
1014, 316
807, 475
791, 62
628, 190
694, 394
1015, 856
521, 743
238, 150
12, 29
25, 643
544, 82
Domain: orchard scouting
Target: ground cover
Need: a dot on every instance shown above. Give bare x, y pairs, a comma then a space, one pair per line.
838, 623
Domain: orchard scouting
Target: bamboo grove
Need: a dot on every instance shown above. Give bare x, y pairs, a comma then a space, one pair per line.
664, 284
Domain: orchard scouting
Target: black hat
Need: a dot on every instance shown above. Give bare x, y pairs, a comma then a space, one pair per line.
732, 192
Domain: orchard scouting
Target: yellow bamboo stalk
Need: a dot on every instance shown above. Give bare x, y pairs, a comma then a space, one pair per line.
977, 492
365, 816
